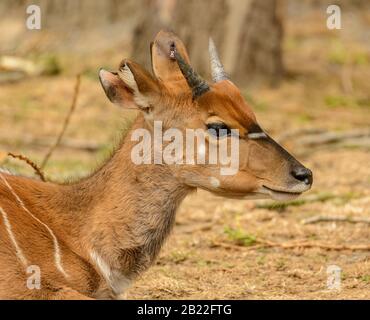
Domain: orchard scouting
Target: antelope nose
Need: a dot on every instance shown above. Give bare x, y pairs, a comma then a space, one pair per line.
303, 174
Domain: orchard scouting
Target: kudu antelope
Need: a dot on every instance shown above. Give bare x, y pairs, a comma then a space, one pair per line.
93, 237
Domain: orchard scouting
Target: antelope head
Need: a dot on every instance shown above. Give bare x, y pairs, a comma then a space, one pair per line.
180, 98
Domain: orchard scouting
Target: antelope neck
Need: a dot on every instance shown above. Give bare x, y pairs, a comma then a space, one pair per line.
124, 212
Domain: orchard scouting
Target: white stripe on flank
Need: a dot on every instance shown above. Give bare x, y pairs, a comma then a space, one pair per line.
8, 227
57, 256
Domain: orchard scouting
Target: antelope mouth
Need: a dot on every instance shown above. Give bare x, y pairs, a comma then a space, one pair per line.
280, 195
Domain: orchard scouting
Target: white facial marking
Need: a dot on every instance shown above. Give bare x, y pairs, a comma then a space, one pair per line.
8, 227
214, 182
257, 135
57, 255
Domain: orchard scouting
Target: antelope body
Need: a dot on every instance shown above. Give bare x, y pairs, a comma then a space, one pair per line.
92, 238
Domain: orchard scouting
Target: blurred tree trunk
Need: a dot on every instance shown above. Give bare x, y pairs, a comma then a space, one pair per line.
146, 29
195, 21
188, 20
247, 33
258, 52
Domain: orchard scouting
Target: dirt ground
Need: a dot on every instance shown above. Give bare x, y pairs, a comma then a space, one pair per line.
213, 252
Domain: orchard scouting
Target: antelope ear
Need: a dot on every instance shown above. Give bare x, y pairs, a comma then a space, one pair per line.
144, 87
116, 90
164, 64
131, 87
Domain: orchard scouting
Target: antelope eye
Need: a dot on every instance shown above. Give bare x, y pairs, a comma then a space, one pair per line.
218, 129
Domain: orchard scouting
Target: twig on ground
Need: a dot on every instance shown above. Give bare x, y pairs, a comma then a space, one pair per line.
66, 122
308, 244
317, 219
235, 246
38, 171
299, 133
333, 137
260, 243
195, 228
316, 137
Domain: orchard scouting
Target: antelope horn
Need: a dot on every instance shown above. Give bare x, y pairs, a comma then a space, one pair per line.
197, 85
218, 71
